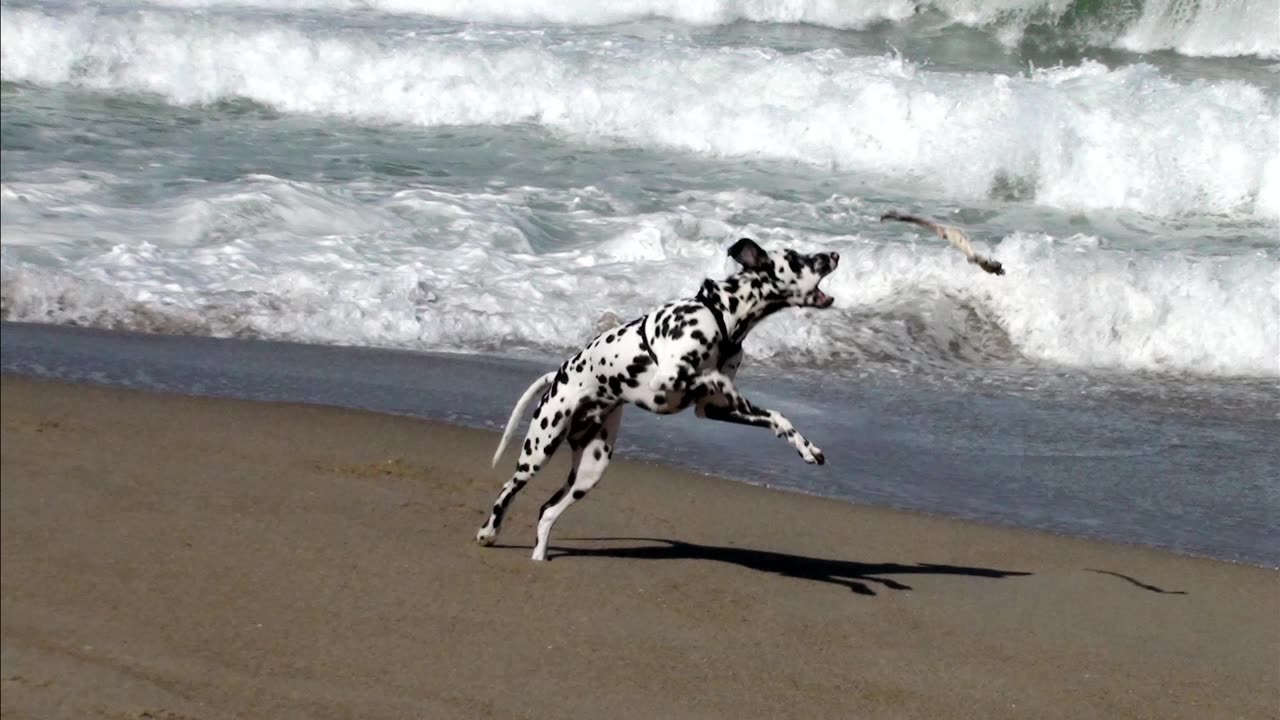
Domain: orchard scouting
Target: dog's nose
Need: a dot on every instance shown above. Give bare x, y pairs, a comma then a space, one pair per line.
835, 257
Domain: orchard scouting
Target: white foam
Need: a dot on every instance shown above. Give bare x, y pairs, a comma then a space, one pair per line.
1224, 28
1067, 301
591, 13
1083, 138
1268, 204
431, 269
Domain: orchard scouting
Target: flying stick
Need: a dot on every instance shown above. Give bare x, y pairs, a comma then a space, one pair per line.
951, 234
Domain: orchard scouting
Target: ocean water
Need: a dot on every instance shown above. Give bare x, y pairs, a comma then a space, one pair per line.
504, 179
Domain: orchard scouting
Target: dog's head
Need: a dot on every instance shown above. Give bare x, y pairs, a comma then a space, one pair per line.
786, 276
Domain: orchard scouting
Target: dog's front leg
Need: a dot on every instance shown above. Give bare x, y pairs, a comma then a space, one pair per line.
722, 401
713, 411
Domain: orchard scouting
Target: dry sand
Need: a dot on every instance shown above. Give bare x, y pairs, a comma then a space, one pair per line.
172, 557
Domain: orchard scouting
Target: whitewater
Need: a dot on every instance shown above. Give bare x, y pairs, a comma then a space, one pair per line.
512, 177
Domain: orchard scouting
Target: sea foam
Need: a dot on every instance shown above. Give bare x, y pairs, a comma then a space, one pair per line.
264, 257
1224, 28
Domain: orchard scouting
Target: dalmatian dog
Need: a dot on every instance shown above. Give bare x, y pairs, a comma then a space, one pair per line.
685, 353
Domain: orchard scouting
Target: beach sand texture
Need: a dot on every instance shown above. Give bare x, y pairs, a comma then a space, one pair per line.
174, 557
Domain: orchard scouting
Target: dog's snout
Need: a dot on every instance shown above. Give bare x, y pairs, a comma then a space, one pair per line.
835, 258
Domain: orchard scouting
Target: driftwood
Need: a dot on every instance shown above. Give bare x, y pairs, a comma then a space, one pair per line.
951, 234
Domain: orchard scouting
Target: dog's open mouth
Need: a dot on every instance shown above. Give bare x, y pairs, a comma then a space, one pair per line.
817, 298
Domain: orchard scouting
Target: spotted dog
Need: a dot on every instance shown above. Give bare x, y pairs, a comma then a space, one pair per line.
686, 352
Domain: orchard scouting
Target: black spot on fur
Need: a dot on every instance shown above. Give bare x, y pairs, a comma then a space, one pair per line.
639, 363
579, 494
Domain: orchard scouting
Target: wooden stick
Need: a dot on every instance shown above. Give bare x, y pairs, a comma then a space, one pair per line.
951, 234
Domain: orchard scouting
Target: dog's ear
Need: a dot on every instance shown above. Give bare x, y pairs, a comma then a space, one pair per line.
749, 255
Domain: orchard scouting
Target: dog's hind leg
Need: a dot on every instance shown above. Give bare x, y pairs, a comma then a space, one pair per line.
546, 431
592, 444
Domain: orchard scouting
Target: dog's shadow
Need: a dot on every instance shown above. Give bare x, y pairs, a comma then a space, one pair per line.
857, 576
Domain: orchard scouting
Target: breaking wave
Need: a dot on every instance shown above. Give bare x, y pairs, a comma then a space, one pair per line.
1076, 138
269, 258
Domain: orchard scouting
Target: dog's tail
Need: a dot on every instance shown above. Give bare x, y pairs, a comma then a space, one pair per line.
513, 422
951, 234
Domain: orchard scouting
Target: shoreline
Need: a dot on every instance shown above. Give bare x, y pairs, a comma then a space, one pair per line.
1010, 462
212, 558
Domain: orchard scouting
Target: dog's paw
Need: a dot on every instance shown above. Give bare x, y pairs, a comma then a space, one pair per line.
486, 536
811, 454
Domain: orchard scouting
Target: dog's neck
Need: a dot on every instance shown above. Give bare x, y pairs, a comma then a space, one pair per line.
742, 301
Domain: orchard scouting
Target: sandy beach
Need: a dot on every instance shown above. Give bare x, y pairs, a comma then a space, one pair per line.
177, 557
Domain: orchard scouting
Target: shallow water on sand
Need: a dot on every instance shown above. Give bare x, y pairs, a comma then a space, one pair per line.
1186, 483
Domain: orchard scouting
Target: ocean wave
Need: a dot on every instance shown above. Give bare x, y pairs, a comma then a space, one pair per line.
428, 269
1225, 28
1077, 138
1218, 29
